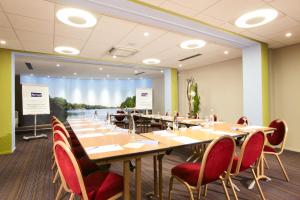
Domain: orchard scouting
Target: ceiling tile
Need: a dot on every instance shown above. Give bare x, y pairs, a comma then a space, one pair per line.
108, 30
209, 20
4, 21
30, 8
12, 44
30, 24
94, 50
7, 34
289, 7
280, 24
174, 7
136, 38
34, 37
231, 27
71, 32
41, 47
228, 10
197, 5
154, 2
280, 36
64, 41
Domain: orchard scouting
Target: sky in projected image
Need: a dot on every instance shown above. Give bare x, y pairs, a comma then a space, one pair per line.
110, 93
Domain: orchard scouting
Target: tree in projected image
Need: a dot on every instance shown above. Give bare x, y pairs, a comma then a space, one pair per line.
193, 97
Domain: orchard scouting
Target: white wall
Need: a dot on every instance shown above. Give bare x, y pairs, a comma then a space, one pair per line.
220, 87
285, 91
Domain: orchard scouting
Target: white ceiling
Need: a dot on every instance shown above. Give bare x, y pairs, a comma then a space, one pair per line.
47, 67
223, 13
31, 25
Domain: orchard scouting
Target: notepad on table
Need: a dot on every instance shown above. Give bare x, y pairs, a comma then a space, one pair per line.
133, 145
185, 140
85, 129
164, 133
103, 149
89, 135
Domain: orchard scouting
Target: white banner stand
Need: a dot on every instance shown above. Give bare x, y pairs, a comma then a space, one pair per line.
35, 100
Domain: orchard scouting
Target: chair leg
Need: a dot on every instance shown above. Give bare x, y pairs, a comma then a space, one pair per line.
53, 165
55, 177
59, 192
283, 169
170, 187
199, 193
258, 185
232, 188
225, 189
205, 190
266, 163
72, 196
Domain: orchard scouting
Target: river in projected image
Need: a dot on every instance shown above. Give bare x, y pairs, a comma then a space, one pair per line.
99, 114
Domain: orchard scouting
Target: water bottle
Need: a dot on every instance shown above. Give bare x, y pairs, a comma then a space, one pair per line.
211, 117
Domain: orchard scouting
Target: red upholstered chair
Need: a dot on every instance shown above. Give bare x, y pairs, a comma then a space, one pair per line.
86, 165
276, 141
216, 161
249, 156
243, 120
96, 186
72, 138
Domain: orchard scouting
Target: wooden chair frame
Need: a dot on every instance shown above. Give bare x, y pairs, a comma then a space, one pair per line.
277, 154
198, 188
78, 173
238, 166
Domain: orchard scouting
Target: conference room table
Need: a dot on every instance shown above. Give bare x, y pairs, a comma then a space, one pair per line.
105, 143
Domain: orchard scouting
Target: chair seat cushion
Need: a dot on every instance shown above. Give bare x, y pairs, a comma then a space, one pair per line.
86, 165
269, 149
102, 186
189, 172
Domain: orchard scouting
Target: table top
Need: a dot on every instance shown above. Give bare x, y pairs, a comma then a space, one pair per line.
105, 142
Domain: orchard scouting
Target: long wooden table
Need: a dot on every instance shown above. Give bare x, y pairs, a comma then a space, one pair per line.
95, 135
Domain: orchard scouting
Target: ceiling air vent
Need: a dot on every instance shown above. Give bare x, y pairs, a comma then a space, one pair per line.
29, 66
190, 57
122, 51
139, 73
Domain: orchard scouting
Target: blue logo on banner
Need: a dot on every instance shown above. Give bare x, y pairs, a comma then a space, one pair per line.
144, 94
36, 94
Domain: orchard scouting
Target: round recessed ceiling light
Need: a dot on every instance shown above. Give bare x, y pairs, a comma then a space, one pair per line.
114, 56
2, 42
151, 61
180, 65
107, 75
192, 44
226, 52
288, 34
161, 71
74, 73
146, 34
100, 68
67, 50
57, 65
256, 18
136, 71
31, 74
76, 17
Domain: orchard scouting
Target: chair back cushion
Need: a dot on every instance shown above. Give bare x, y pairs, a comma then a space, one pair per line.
120, 117
218, 159
242, 120
67, 168
277, 137
61, 128
253, 147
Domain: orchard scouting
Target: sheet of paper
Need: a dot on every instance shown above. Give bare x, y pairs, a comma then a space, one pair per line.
150, 142
89, 135
196, 127
222, 133
85, 129
185, 140
133, 145
112, 133
164, 133
103, 149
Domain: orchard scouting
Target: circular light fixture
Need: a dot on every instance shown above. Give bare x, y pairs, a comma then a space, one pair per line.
256, 18
192, 44
74, 73
100, 68
114, 56
2, 42
107, 75
76, 17
57, 65
146, 34
151, 61
31, 74
180, 65
136, 71
67, 50
288, 34
48, 76
226, 52
161, 71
